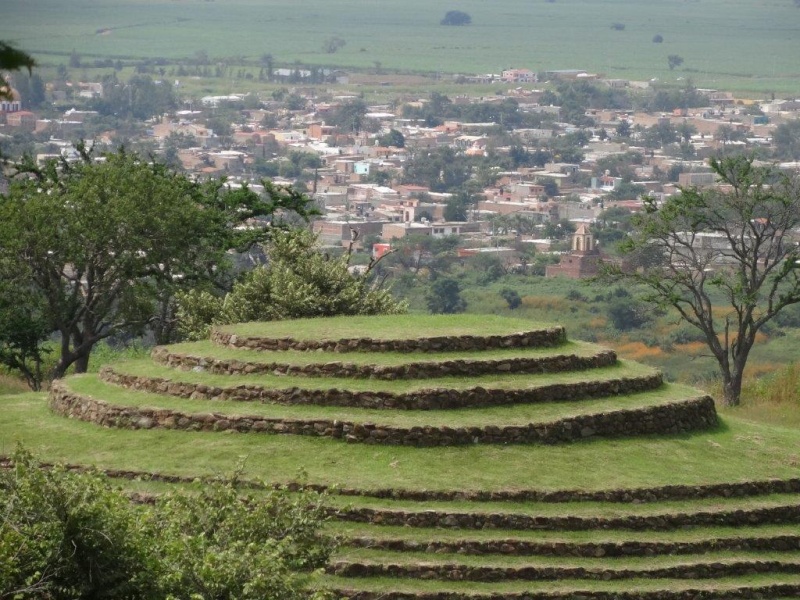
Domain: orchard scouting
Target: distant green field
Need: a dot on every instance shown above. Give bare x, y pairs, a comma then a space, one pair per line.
729, 44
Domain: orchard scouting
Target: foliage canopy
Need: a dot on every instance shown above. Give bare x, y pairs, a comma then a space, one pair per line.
12, 59
456, 17
732, 243
299, 281
66, 535
102, 246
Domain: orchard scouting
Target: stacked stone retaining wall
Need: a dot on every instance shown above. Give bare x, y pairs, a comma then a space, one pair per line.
759, 592
782, 514
529, 339
422, 399
410, 370
741, 489
678, 417
484, 574
517, 547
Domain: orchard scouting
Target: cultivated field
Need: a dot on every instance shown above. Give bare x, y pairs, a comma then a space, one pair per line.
729, 44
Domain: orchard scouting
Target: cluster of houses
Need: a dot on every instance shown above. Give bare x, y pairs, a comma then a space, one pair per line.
357, 207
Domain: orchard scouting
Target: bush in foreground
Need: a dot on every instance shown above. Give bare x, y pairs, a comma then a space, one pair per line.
73, 535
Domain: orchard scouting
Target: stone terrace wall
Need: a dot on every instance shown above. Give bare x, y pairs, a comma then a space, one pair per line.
740, 489
410, 370
733, 593
772, 515
679, 417
518, 547
529, 339
461, 572
423, 399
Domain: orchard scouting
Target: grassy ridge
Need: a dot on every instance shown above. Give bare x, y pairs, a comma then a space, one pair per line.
504, 416
644, 563
423, 535
738, 450
387, 327
294, 357
572, 586
145, 368
406, 34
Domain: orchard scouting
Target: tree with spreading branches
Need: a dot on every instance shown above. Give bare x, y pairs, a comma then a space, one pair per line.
725, 259
102, 247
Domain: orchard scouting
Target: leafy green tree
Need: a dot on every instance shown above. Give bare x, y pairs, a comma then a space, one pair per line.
24, 327
735, 245
660, 135
455, 210
332, 44
511, 297
626, 314
441, 169
728, 133
489, 268
31, 90
685, 131
673, 61
74, 60
298, 281
626, 190
392, 138
444, 297
456, 18
105, 245
381, 178
666, 100
786, 139
140, 98
12, 59
415, 252
349, 117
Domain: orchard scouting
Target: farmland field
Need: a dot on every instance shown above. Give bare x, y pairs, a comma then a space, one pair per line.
728, 44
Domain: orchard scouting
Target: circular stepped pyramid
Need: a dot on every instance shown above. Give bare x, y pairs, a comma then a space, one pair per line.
428, 381
441, 387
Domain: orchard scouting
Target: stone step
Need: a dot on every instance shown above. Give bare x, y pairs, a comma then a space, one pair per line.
510, 544
665, 411
205, 357
713, 566
771, 586
404, 333
783, 513
427, 394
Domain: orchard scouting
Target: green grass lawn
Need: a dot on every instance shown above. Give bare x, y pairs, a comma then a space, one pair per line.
206, 349
738, 450
500, 561
377, 584
391, 327
145, 368
421, 535
502, 416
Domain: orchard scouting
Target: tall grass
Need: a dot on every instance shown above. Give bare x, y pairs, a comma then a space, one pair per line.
11, 384
780, 388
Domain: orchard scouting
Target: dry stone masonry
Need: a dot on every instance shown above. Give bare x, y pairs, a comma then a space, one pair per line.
667, 417
716, 562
